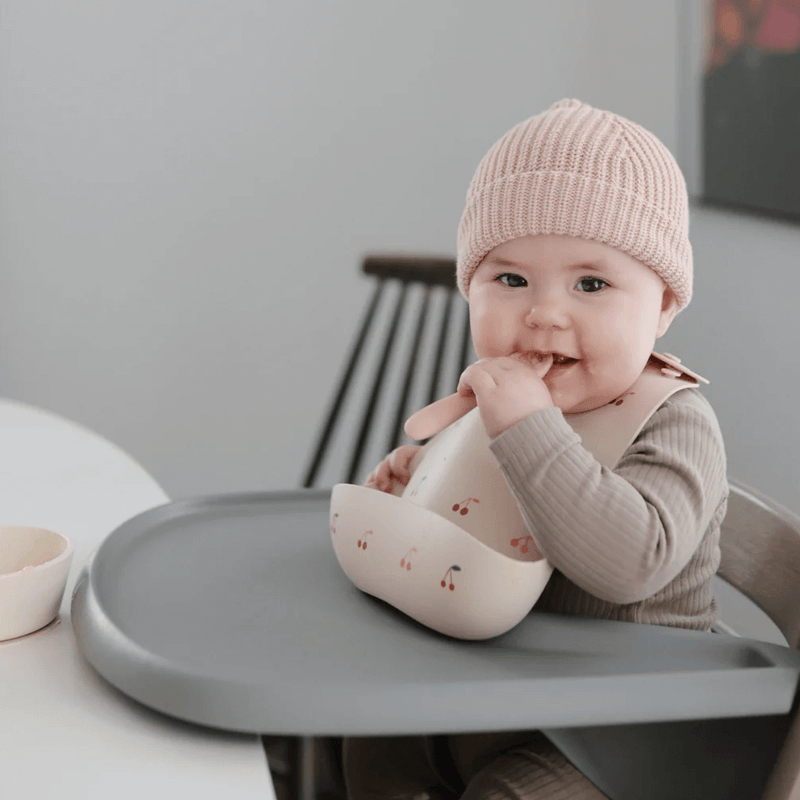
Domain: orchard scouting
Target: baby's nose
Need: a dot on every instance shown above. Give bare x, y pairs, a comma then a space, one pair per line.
547, 312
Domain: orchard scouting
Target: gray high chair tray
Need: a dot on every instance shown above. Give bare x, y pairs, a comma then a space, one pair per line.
232, 611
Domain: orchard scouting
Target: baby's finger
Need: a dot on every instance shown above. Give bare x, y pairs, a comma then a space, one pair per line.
399, 473
540, 366
400, 459
383, 473
397, 465
371, 481
475, 380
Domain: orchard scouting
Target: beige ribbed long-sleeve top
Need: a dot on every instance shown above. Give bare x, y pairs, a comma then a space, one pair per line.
638, 543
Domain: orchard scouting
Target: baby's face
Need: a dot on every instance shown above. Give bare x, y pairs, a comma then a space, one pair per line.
596, 309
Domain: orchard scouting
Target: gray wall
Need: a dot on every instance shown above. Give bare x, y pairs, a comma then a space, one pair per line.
187, 188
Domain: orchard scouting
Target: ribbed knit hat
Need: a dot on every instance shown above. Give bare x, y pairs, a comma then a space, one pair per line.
578, 171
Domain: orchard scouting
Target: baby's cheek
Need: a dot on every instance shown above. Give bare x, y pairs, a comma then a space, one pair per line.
612, 381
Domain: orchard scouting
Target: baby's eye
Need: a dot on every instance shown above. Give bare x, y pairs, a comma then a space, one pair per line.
512, 280
591, 284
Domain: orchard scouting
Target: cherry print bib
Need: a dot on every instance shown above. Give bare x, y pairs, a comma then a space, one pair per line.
451, 549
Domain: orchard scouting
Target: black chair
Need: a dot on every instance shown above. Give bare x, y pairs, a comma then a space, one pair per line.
418, 282
411, 345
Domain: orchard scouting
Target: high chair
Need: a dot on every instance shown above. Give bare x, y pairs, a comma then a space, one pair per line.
761, 558
760, 543
399, 353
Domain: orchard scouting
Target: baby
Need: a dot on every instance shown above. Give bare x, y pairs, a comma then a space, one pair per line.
574, 256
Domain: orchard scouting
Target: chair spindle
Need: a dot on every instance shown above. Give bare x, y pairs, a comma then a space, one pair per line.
377, 386
333, 415
402, 404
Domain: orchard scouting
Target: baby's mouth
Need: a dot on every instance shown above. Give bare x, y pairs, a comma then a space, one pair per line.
558, 359
558, 363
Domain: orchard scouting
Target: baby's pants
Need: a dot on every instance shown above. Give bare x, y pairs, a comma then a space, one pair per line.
488, 766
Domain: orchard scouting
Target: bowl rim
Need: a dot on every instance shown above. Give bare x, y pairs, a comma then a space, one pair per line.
64, 555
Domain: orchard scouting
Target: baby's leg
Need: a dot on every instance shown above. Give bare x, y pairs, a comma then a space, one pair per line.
533, 769
388, 768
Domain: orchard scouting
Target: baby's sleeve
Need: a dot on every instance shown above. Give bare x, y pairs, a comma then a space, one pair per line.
620, 534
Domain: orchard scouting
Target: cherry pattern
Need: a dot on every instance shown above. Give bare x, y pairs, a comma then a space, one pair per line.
362, 543
405, 561
449, 572
462, 505
621, 399
526, 543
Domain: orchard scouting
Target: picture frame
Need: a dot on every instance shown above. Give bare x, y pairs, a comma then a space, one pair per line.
739, 104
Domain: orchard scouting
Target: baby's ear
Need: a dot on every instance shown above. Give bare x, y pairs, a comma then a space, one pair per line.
669, 308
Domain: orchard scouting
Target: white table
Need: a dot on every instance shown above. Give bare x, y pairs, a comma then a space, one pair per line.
64, 732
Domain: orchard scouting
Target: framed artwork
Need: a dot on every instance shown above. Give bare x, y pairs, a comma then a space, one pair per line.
748, 104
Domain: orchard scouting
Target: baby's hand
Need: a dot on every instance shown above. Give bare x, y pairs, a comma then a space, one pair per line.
507, 389
395, 467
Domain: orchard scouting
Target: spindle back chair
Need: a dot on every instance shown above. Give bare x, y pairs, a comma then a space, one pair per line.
440, 328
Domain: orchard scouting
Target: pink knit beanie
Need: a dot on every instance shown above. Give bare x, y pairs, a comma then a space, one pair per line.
577, 171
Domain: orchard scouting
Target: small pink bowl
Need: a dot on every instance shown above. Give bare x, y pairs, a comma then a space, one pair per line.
34, 566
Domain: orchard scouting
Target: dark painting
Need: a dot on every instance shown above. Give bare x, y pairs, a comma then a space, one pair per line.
751, 107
